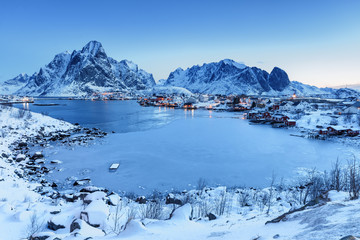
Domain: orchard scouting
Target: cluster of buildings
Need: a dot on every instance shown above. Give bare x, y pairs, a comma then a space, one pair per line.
11, 99
276, 119
276, 111
104, 96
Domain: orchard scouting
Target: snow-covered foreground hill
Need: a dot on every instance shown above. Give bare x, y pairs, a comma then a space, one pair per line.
207, 213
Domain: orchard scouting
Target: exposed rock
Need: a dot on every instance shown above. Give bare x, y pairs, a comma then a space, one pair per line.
141, 200
42, 235
170, 199
53, 226
37, 155
81, 182
22, 144
96, 213
86, 231
75, 225
211, 216
55, 161
349, 237
20, 157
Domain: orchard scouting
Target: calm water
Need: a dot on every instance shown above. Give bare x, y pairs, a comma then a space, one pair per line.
168, 149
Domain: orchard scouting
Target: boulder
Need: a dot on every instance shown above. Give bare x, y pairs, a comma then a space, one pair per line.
349, 237
41, 235
113, 199
20, 157
91, 189
141, 200
55, 161
99, 195
96, 213
75, 225
171, 199
37, 155
80, 227
182, 213
53, 226
81, 182
211, 216
69, 197
22, 144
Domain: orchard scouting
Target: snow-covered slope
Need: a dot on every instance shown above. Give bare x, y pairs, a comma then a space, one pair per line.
162, 90
83, 72
230, 77
12, 85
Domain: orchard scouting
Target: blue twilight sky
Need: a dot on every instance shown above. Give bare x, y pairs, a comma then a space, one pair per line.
315, 42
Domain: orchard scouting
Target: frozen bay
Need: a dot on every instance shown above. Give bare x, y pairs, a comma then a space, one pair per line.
170, 149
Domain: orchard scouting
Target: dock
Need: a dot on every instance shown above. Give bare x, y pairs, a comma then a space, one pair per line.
114, 166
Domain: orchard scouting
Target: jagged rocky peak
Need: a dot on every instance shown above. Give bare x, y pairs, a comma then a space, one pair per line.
278, 79
132, 66
230, 77
83, 72
22, 77
93, 48
233, 63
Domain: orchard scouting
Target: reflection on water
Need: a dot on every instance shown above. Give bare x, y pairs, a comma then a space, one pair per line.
25, 106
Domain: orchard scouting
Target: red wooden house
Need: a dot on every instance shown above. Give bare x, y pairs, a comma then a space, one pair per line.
290, 122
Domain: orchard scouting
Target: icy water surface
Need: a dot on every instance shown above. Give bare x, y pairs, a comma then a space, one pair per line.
167, 149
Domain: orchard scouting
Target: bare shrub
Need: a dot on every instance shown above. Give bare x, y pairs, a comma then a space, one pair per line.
347, 118
271, 192
354, 179
221, 203
116, 226
35, 225
244, 199
334, 122
201, 184
261, 199
152, 210
337, 177
200, 209
18, 114
131, 214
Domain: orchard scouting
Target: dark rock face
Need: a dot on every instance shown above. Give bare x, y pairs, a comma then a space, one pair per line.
278, 79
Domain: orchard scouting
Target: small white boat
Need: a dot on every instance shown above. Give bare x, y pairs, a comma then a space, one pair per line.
114, 166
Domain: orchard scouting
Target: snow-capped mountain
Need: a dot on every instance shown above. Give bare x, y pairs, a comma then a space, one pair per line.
82, 72
91, 70
12, 85
227, 77
230, 77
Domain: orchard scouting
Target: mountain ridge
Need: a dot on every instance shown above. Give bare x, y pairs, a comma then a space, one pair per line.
83, 72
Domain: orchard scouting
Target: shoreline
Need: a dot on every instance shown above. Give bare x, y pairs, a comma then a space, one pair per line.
248, 206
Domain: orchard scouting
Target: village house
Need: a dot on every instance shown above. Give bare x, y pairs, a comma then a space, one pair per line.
353, 109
